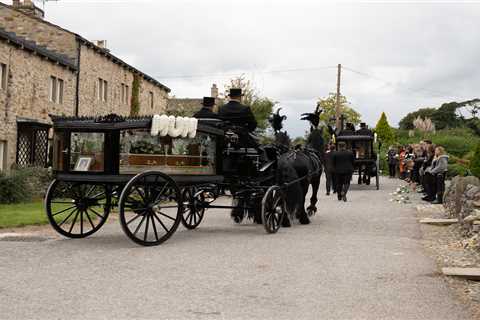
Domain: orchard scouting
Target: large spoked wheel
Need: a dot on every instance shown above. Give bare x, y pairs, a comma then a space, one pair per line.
193, 209
273, 209
77, 210
150, 208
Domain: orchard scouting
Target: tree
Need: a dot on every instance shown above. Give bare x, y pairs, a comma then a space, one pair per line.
262, 107
329, 104
384, 131
446, 116
407, 122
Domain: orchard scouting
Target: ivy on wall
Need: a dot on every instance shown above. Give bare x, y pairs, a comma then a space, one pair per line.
135, 103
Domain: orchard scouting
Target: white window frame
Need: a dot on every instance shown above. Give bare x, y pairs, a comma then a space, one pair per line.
56, 90
60, 86
105, 91
3, 155
102, 92
151, 98
3, 76
52, 97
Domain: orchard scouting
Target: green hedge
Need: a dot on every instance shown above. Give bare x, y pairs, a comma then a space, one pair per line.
24, 185
475, 162
457, 170
458, 142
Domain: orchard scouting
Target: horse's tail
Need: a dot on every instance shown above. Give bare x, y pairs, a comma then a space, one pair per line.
286, 173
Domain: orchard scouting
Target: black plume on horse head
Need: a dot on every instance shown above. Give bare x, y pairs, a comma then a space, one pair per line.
313, 118
276, 120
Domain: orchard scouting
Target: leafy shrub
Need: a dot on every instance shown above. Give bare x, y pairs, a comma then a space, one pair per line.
13, 189
455, 145
452, 159
23, 185
457, 170
458, 142
475, 163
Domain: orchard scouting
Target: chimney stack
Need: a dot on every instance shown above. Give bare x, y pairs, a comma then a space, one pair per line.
102, 44
28, 7
214, 91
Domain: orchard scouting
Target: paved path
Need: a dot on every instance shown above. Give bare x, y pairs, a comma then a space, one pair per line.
357, 260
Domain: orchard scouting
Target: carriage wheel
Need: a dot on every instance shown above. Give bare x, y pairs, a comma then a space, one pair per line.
77, 210
193, 209
150, 208
273, 209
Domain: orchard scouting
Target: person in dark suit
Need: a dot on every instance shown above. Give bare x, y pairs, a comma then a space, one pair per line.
343, 161
364, 130
236, 113
207, 109
329, 173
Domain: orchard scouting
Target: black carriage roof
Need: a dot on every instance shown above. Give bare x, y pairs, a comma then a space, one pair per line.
114, 122
354, 138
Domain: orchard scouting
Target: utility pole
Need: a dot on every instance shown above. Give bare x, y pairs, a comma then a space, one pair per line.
338, 108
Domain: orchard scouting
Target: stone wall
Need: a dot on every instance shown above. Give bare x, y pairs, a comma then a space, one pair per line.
94, 66
462, 201
35, 29
27, 92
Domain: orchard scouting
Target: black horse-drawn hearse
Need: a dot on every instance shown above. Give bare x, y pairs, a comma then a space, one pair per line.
366, 159
155, 179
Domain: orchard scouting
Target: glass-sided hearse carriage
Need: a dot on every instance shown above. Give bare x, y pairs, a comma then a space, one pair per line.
366, 159
157, 181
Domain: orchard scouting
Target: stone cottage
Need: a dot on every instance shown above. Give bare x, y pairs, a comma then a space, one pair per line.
45, 69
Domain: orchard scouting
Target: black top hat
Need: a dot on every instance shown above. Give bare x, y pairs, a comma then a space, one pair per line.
208, 101
235, 92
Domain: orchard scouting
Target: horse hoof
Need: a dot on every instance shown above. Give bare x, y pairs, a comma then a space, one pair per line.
237, 219
304, 220
286, 223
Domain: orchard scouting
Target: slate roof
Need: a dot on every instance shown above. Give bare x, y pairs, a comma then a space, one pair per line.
96, 48
32, 46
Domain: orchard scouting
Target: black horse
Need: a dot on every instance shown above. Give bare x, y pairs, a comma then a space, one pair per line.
300, 168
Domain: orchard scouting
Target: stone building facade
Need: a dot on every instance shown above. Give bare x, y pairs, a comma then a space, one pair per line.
39, 56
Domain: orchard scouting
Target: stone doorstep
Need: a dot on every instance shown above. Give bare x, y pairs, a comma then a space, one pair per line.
438, 222
466, 273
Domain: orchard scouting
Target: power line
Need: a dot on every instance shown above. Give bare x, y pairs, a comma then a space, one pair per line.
390, 83
214, 75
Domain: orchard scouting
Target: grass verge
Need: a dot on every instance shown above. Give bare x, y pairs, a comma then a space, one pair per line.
22, 214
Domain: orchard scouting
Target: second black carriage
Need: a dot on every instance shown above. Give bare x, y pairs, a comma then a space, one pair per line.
157, 182
366, 159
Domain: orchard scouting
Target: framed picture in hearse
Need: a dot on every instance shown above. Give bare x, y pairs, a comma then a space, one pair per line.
83, 163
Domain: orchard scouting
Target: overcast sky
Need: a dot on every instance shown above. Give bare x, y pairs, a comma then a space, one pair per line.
410, 53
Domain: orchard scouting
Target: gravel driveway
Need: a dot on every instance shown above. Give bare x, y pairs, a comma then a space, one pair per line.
357, 260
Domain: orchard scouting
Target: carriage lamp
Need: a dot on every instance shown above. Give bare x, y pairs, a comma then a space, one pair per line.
375, 137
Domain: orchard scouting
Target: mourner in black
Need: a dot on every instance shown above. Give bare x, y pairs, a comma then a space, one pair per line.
348, 131
364, 131
329, 173
343, 161
207, 110
236, 113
